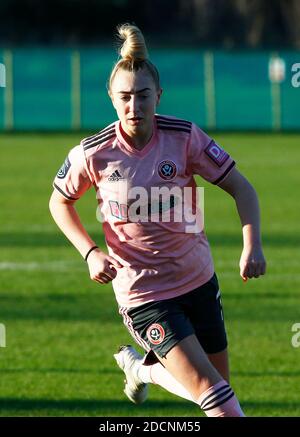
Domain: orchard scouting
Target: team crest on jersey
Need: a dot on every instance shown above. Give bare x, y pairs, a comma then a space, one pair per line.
216, 153
62, 172
167, 170
155, 333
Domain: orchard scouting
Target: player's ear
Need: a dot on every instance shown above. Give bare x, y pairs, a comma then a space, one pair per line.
158, 96
111, 97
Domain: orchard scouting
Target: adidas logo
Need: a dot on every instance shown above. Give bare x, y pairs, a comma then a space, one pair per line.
115, 177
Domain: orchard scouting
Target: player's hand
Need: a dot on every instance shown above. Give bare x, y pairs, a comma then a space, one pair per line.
252, 263
102, 267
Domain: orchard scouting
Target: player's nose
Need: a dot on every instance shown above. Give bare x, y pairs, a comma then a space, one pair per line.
134, 104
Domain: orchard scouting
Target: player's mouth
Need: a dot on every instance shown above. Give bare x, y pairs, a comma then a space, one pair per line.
135, 120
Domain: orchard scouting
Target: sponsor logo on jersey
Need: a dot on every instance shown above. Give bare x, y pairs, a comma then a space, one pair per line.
62, 172
115, 177
118, 210
167, 170
155, 333
216, 153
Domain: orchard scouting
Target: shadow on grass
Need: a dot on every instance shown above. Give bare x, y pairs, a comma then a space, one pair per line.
56, 239
110, 371
107, 407
43, 370
96, 406
272, 405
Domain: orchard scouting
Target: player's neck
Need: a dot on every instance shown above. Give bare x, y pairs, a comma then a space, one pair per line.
138, 140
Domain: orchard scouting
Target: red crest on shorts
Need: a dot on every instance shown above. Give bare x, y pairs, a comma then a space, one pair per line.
155, 333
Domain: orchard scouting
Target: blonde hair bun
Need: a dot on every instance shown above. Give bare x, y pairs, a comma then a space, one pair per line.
134, 54
133, 46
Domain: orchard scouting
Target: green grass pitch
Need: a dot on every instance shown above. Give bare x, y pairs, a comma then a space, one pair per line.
62, 329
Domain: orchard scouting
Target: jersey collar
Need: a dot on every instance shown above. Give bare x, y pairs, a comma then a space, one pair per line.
132, 150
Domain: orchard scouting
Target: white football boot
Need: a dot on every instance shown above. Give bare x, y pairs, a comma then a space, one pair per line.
128, 359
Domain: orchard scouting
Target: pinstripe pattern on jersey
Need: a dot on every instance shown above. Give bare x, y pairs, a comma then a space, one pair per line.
166, 123
99, 138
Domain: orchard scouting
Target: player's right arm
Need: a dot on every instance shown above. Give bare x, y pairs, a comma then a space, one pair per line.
71, 182
102, 267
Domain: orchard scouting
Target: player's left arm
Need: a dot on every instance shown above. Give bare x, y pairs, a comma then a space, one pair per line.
252, 262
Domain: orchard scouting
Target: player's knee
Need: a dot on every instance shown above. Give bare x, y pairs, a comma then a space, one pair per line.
198, 385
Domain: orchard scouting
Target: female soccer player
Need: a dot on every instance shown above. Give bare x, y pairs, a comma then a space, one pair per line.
162, 273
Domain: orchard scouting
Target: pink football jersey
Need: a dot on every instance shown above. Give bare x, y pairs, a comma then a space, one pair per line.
160, 258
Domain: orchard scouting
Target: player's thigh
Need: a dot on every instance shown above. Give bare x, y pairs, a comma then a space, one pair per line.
190, 365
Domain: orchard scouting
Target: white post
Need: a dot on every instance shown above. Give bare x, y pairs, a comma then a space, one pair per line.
276, 76
8, 91
76, 92
2, 335
209, 90
2, 76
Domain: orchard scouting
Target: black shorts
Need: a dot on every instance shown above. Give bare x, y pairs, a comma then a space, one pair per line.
160, 325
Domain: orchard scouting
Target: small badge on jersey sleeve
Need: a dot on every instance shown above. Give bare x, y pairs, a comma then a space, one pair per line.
216, 153
167, 170
62, 172
155, 333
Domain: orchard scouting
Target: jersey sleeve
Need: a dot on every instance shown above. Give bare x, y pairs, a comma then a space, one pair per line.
73, 178
206, 158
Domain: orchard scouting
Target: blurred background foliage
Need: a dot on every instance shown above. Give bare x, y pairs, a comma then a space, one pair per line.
214, 23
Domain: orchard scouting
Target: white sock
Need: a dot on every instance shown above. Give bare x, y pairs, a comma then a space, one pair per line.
144, 373
157, 374
219, 400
